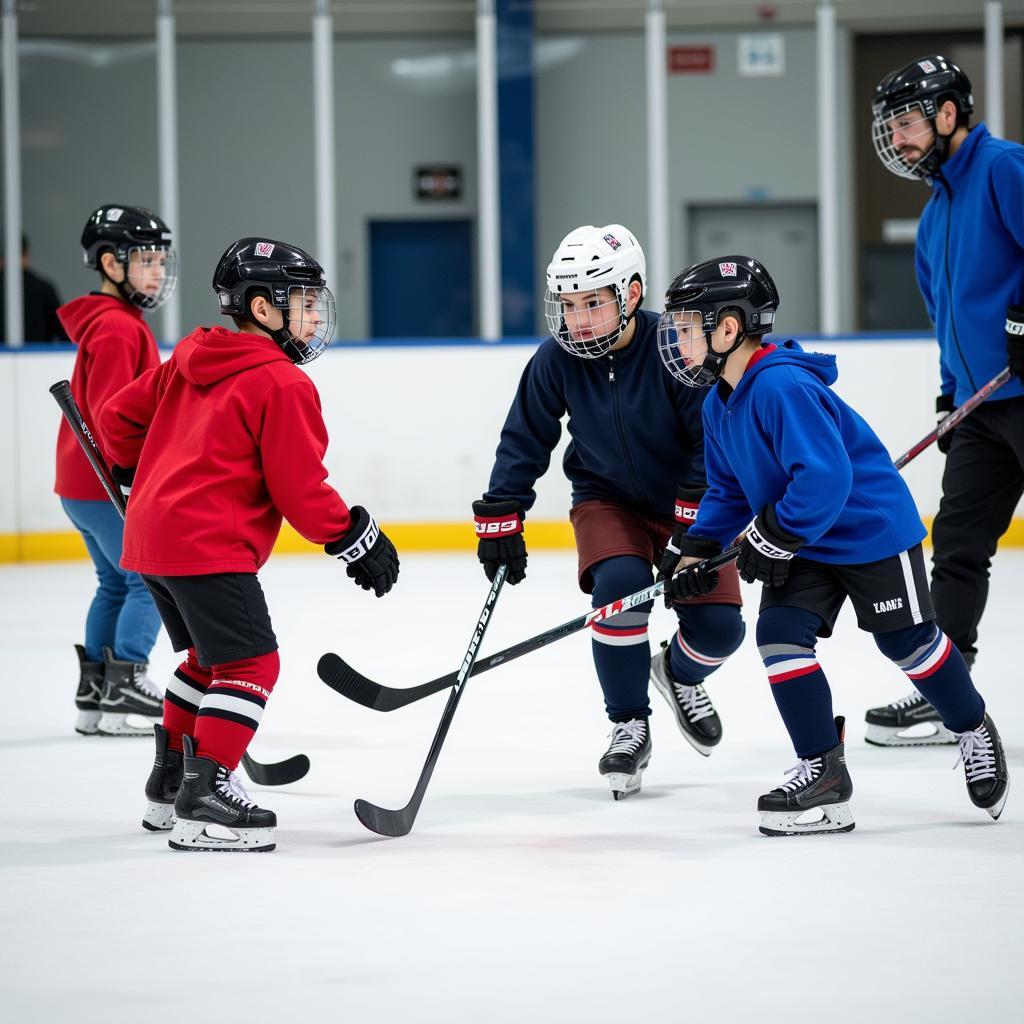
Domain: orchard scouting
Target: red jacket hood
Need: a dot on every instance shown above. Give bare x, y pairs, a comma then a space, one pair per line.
78, 315
209, 354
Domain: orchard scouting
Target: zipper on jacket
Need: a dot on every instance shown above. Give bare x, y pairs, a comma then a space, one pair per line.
620, 429
949, 282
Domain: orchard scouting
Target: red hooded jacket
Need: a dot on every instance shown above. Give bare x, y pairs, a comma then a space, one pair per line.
227, 437
114, 346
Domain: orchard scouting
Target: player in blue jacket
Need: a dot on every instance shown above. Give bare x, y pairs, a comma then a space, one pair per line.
636, 455
970, 267
832, 519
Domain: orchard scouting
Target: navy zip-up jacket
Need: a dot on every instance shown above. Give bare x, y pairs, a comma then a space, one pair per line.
636, 431
784, 438
970, 261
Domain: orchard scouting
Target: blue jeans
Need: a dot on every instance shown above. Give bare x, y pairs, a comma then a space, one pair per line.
122, 615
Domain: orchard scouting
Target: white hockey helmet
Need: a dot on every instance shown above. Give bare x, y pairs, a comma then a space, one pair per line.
587, 259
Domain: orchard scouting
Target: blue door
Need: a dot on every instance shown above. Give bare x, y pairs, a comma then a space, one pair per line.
421, 278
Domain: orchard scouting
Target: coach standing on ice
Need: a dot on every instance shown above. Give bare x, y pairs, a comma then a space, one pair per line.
970, 268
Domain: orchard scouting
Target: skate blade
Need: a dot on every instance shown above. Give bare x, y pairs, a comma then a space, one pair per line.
624, 785
87, 722
997, 808
888, 736
702, 748
158, 817
123, 725
193, 836
835, 818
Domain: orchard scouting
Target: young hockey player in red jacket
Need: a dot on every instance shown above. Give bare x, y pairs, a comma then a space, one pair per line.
226, 438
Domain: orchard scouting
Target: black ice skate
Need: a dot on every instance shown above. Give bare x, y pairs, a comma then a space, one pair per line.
891, 725
212, 797
626, 758
163, 784
127, 690
816, 782
90, 689
694, 713
988, 781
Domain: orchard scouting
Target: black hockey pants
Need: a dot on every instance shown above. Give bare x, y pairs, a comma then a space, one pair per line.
981, 485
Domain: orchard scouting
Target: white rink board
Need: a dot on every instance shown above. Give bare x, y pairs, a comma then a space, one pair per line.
413, 429
507, 902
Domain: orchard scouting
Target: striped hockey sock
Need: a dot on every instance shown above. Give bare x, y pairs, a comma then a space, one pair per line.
232, 707
707, 635
184, 694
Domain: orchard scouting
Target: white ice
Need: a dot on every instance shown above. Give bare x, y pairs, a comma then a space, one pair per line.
524, 893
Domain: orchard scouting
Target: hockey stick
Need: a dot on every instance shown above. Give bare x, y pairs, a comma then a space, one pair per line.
293, 768
340, 676
958, 414
399, 823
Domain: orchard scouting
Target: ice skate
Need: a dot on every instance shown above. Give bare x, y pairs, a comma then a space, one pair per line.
814, 783
627, 756
128, 691
893, 724
163, 784
988, 780
90, 689
213, 812
694, 713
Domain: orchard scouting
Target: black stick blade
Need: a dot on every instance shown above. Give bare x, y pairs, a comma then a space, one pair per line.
384, 822
280, 774
340, 676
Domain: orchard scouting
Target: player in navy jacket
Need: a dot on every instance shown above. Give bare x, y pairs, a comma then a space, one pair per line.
636, 456
970, 267
832, 519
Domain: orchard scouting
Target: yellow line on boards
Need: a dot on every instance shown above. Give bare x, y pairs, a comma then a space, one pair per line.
67, 545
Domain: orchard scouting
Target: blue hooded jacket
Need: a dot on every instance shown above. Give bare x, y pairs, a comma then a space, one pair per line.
970, 261
636, 431
784, 438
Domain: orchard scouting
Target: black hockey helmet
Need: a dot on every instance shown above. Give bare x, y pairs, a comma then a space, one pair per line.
124, 230
694, 304
291, 281
916, 92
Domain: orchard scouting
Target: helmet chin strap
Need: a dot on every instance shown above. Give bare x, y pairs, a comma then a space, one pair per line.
713, 366
130, 295
282, 336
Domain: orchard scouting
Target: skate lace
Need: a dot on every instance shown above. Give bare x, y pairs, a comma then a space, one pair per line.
627, 737
976, 754
146, 685
230, 787
694, 701
905, 702
801, 774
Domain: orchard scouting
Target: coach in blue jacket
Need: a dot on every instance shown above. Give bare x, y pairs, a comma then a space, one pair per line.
970, 267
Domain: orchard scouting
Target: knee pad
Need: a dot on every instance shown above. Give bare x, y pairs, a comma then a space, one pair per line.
901, 644
618, 577
788, 626
715, 629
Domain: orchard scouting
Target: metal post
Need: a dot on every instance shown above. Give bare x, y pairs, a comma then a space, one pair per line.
658, 216
488, 212
994, 72
14, 329
828, 164
167, 149
323, 139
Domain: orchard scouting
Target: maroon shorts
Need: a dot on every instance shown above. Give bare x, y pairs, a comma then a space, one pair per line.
605, 529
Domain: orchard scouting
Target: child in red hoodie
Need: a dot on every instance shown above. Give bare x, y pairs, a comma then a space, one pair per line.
131, 249
226, 438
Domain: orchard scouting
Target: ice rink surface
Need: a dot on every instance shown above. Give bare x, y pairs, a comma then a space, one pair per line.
524, 893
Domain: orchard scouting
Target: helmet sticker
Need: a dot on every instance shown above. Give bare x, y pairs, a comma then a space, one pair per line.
613, 242
114, 213
927, 66
727, 269
264, 248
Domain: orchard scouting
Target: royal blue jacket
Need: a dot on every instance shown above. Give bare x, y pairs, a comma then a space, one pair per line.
784, 438
636, 431
970, 261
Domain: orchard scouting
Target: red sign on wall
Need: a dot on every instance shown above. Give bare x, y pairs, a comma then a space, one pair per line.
691, 59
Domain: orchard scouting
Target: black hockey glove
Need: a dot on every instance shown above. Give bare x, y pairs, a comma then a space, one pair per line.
943, 407
371, 559
767, 550
1015, 340
499, 528
693, 582
687, 502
